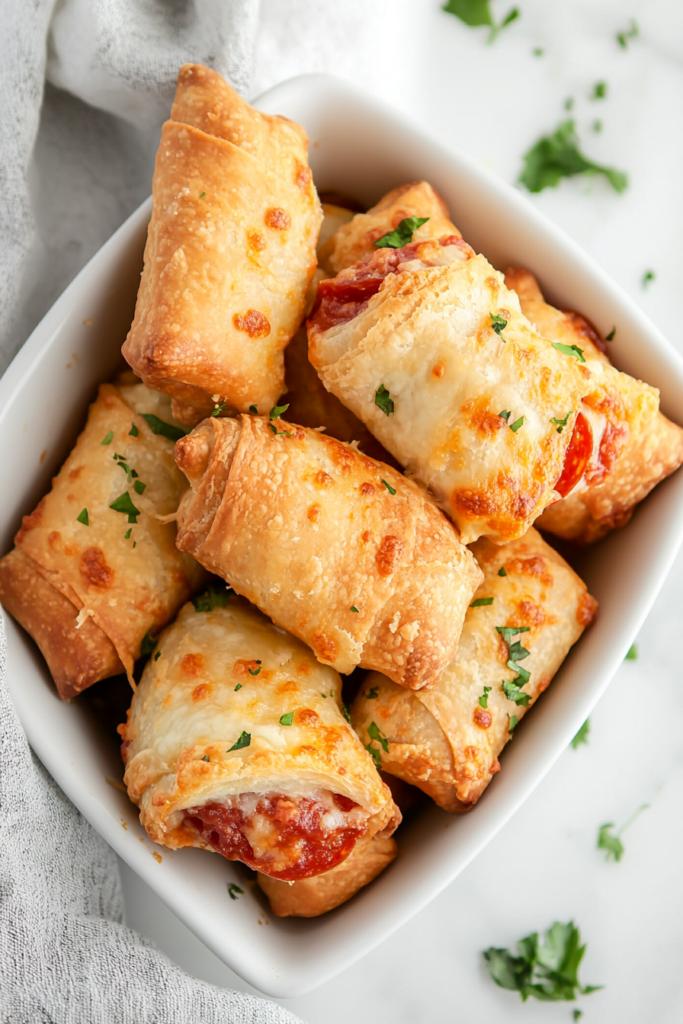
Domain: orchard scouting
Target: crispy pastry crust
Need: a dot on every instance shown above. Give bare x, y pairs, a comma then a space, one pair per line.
311, 897
654, 448
198, 696
306, 528
116, 591
357, 238
444, 741
230, 250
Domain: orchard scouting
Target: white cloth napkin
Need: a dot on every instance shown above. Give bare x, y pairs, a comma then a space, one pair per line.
65, 955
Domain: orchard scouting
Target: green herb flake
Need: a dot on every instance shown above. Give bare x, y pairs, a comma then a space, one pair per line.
515, 694
278, 410
238, 687
632, 653
383, 400
599, 91
577, 1014
157, 655
507, 632
206, 758
484, 699
560, 424
582, 735
538, 51
166, 430
346, 713
253, 409
375, 754
218, 409
124, 505
375, 733
371, 694
255, 671
233, 890
210, 599
502, 571
597, 126
401, 235
392, 490
478, 12
243, 741
128, 532
505, 414
612, 844
611, 335
108, 439
354, 609
569, 350
632, 32
202, 195
558, 156
498, 324
648, 278
569, 103
512, 725
148, 643
514, 427
139, 487
545, 968
133, 432
287, 719
82, 517
481, 602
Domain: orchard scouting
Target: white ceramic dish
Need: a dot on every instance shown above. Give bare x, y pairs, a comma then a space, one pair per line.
361, 148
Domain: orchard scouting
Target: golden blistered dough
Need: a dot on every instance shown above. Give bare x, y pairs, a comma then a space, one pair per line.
654, 448
231, 709
444, 741
101, 586
342, 551
311, 897
230, 251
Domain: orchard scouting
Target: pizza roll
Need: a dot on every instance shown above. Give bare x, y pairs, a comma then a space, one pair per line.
357, 238
653, 450
230, 250
340, 550
429, 348
236, 742
95, 569
311, 897
516, 635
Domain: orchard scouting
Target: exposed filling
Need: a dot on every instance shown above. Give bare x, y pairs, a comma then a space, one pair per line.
287, 837
342, 298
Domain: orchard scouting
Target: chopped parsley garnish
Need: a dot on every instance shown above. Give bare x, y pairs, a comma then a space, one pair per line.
139, 487
377, 736
478, 12
82, 517
128, 532
481, 602
502, 571
484, 699
599, 91
512, 724
561, 424
243, 741
569, 103
392, 490
353, 608
218, 409
202, 195
206, 758
514, 427
512, 688
577, 1014
558, 156
287, 719
383, 400
582, 735
238, 687
569, 350
371, 694
631, 33
538, 51
255, 671
401, 235
278, 410
148, 643
648, 278
233, 890
612, 844
611, 335
498, 324
507, 632
513, 693
505, 414
547, 968
346, 713
133, 432
157, 655
253, 409
210, 599
120, 460
124, 504
632, 653
166, 430
597, 125
108, 439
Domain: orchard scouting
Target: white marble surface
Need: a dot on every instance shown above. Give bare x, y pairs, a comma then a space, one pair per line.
492, 102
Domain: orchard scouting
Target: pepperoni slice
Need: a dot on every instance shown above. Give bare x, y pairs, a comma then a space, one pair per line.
576, 457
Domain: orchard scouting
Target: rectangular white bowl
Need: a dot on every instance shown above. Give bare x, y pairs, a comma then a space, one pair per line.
361, 148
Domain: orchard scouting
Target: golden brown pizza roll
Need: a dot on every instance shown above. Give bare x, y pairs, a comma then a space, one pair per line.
429, 348
342, 551
95, 569
357, 238
311, 897
230, 251
653, 449
529, 610
236, 742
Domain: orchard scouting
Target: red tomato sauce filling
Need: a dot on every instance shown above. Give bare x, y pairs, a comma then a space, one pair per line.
282, 836
576, 457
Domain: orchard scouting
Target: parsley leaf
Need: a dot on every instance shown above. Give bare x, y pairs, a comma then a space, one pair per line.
537, 51
512, 723
354, 609
157, 655
383, 400
148, 643
166, 430
139, 487
648, 278
287, 719
558, 156
599, 91
514, 427
124, 504
569, 103
371, 694
478, 12
612, 844
632, 653
513, 693
255, 671
346, 713
631, 33
392, 490
375, 733
597, 126
128, 532
546, 969
401, 235
484, 699
375, 754
561, 424
577, 1014
498, 324
610, 336
133, 432
233, 890
210, 599
502, 571
218, 409
481, 602
243, 741
108, 439
82, 517
206, 758
505, 414
253, 409
569, 350
582, 735
238, 687
507, 632
202, 195
278, 410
